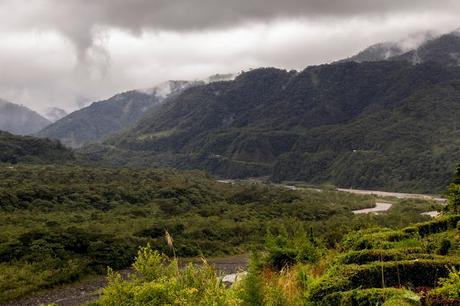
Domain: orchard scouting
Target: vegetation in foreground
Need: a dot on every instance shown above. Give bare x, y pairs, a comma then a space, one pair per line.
414, 265
417, 265
61, 223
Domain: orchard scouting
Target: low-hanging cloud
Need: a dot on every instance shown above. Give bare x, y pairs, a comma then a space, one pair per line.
68, 52
79, 19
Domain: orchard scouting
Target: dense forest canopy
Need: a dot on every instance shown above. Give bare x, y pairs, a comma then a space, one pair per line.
383, 125
15, 149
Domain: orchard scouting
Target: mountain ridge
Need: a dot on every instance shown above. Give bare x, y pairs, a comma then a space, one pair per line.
288, 125
105, 117
20, 120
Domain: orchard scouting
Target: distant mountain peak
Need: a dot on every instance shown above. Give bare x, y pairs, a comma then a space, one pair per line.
102, 118
20, 120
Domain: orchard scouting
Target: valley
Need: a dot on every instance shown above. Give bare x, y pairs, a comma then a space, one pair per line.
90, 218
334, 180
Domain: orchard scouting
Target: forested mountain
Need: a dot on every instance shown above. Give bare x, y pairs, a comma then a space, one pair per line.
109, 116
19, 119
15, 149
387, 124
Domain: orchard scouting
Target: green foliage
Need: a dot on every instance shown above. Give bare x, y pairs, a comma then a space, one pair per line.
449, 287
15, 149
409, 273
445, 246
382, 258
386, 238
251, 288
387, 281
374, 296
454, 193
284, 250
151, 264
435, 226
59, 224
376, 255
158, 282
346, 124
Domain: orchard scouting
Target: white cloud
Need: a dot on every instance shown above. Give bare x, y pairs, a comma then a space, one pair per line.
51, 59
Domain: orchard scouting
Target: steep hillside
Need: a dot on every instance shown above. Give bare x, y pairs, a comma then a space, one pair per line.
20, 120
408, 147
102, 118
14, 149
381, 125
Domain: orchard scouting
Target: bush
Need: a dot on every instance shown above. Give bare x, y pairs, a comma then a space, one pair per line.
251, 289
413, 273
445, 246
374, 238
436, 226
285, 250
159, 281
449, 287
372, 296
372, 255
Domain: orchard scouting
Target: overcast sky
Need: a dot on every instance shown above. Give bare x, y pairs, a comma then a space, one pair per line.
66, 53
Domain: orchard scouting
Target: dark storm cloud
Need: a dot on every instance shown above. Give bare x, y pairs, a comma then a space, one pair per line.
199, 14
67, 52
78, 19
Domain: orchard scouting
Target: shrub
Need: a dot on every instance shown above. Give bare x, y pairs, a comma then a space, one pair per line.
410, 273
159, 281
285, 250
374, 238
373, 255
445, 246
437, 226
449, 287
251, 288
374, 296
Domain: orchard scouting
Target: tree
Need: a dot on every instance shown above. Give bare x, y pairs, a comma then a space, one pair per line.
454, 193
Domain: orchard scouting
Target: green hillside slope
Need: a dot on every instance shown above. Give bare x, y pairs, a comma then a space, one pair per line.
15, 149
388, 125
100, 119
